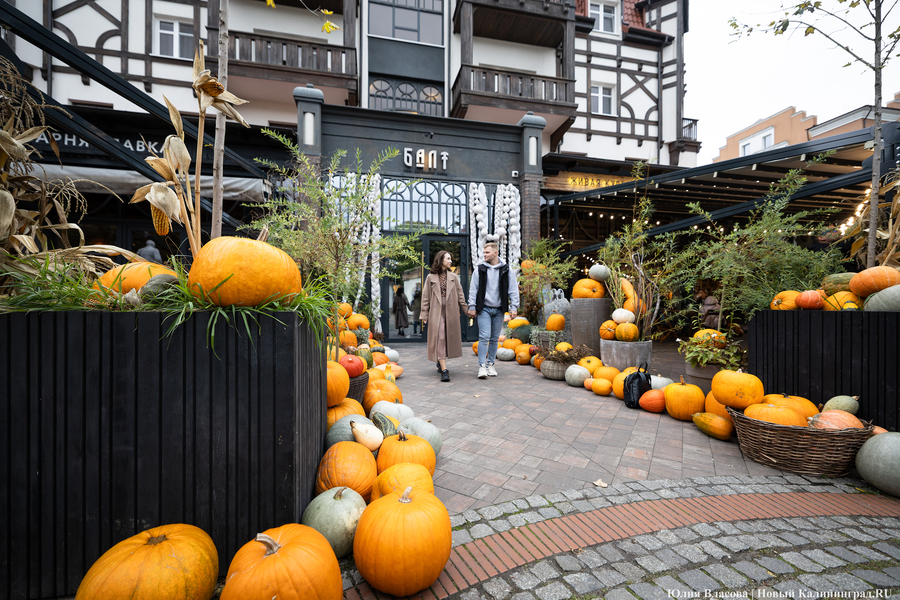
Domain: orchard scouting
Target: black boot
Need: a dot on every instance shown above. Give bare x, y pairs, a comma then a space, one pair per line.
445, 376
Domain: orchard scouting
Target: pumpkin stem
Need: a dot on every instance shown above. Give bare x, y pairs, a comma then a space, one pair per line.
271, 545
352, 425
340, 493
682, 380
405, 499
157, 540
401, 436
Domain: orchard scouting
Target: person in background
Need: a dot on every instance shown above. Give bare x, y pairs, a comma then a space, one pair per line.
440, 297
401, 305
149, 252
493, 291
416, 308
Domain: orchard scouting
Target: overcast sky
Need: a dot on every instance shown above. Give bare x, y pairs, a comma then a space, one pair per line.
732, 84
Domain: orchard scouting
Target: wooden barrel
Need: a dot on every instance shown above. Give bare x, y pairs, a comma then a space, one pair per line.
586, 316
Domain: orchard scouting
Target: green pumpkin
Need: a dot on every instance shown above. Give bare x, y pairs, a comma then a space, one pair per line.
334, 513
424, 429
887, 300
839, 282
377, 348
386, 426
366, 355
845, 403
341, 432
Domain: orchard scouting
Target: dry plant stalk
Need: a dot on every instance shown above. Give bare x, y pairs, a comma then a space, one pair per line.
888, 231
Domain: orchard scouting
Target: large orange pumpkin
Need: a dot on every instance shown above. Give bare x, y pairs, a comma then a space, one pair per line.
810, 300
378, 390
601, 387
131, 276
802, 406
608, 330
653, 401
834, 419
403, 542
402, 448
345, 310
683, 400
605, 372
737, 389
375, 373
291, 561
619, 382
711, 405
874, 279
512, 343
338, 383
380, 358
347, 406
556, 322
255, 271
347, 464
171, 561
780, 415
588, 288
626, 332
784, 300
354, 365
357, 321
400, 477
347, 338
591, 363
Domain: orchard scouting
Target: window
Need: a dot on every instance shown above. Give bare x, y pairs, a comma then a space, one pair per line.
602, 100
604, 16
406, 96
176, 39
412, 20
767, 141
745, 149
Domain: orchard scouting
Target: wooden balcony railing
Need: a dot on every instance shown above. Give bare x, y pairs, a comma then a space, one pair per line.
263, 50
526, 86
689, 129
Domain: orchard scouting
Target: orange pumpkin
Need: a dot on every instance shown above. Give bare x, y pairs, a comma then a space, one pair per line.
131, 276
537, 362
347, 406
635, 305
842, 301
291, 561
347, 464
556, 323
357, 321
475, 348
626, 332
810, 300
801, 406
608, 330
512, 343
347, 339
341, 326
396, 369
771, 413
338, 383
345, 310
619, 382
711, 405
380, 358
683, 400
834, 419
588, 288
874, 279
591, 363
653, 401
737, 389
589, 384
605, 372
378, 390
400, 477
161, 562
784, 300
714, 425
602, 387
876, 430
375, 373
402, 448
523, 357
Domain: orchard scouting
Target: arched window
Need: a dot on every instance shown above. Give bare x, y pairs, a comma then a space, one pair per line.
406, 96
405, 99
381, 95
430, 101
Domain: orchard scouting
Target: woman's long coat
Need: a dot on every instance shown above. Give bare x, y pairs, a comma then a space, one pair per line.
432, 306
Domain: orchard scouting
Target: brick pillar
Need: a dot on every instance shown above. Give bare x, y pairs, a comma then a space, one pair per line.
531, 177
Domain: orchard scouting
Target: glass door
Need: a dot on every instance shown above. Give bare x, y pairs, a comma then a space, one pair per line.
458, 247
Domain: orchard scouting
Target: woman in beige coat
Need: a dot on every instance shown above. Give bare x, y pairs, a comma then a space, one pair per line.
442, 299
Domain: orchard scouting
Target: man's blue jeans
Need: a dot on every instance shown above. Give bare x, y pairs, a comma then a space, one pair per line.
490, 324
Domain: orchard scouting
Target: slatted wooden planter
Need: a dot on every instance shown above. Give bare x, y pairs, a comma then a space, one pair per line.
108, 428
822, 354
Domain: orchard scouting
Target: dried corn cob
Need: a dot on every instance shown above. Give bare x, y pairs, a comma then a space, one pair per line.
160, 220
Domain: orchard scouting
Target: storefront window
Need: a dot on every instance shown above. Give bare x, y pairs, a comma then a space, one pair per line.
425, 205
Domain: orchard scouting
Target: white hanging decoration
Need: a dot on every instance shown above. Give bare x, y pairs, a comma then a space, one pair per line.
509, 226
478, 232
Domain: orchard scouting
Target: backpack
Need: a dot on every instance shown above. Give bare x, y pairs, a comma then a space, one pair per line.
636, 384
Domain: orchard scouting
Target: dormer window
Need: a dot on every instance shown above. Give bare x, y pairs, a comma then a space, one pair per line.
604, 16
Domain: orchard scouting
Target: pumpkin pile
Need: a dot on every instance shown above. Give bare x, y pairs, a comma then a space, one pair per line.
875, 289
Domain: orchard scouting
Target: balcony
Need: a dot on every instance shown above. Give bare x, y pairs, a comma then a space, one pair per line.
532, 22
481, 86
689, 129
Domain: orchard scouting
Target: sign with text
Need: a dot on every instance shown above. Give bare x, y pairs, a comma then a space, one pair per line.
570, 181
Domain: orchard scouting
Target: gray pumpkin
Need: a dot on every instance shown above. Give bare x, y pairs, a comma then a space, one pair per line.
887, 300
576, 375
506, 354
423, 429
395, 410
878, 462
335, 513
341, 432
658, 382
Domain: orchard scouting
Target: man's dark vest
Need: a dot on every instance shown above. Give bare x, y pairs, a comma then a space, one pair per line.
482, 287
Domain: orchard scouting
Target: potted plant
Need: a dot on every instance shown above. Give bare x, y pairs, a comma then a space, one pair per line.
706, 353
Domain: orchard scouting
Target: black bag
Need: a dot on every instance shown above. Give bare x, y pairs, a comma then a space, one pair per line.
635, 385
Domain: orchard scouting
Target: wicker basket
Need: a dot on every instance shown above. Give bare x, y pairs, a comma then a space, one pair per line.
553, 370
358, 387
803, 450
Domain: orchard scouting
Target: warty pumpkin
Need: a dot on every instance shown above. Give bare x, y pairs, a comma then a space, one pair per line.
874, 279
555, 322
401, 476
683, 400
250, 272
177, 562
403, 542
713, 425
784, 300
771, 413
338, 383
839, 282
608, 330
347, 406
387, 425
842, 301
130, 276
291, 561
737, 389
347, 464
335, 513
588, 288
402, 448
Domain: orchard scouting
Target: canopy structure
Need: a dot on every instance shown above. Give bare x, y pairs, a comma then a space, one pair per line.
735, 187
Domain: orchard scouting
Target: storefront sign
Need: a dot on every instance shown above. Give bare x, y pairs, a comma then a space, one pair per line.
425, 160
569, 181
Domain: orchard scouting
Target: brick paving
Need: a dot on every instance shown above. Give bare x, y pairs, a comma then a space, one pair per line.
681, 515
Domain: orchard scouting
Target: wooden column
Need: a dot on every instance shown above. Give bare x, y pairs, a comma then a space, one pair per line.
568, 59
465, 32
350, 23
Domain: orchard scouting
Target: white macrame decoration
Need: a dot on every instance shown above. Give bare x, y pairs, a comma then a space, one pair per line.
508, 204
375, 233
478, 205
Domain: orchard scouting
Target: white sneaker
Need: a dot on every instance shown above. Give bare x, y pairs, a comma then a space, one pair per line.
491, 371
482, 373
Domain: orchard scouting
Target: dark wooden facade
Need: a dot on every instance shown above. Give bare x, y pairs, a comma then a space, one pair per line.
822, 354
110, 427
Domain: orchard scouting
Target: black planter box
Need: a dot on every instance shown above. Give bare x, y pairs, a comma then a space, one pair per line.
821, 354
109, 427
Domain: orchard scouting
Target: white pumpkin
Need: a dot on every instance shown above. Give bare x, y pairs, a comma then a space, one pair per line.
334, 513
506, 354
394, 410
878, 462
424, 429
367, 435
623, 315
658, 382
576, 375
599, 273
392, 355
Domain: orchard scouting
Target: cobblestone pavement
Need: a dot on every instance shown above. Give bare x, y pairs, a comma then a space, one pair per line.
704, 522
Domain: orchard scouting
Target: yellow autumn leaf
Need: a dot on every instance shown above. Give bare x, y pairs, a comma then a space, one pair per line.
327, 12
328, 27
270, 3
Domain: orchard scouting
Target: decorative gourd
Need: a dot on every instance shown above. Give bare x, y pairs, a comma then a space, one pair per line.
523, 357
366, 355
839, 282
338, 381
588, 288
884, 301
255, 271
505, 354
784, 300
388, 372
714, 425
658, 382
878, 462
810, 300
622, 315
556, 322
354, 365
834, 419
533, 350
599, 272
403, 542
341, 432
874, 279
606, 372
590, 363
512, 343
602, 387
711, 405
737, 389
589, 384
394, 410
401, 476
627, 332
291, 561
608, 330
347, 406
653, 401
335, 513
878, 430
402, 448
576, 375
801, 406
383, 423
848, 404
131, 276
425, 430
771, 413
171, 561
357, 321
396, 369
563, 347
347, 464
683, 400
380, 390
367, 434
376, 347
392, 355
517, 322
842, 301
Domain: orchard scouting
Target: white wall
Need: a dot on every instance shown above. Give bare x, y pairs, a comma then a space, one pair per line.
256, 17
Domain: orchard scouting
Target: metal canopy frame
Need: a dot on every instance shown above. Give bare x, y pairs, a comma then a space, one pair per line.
738, 186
